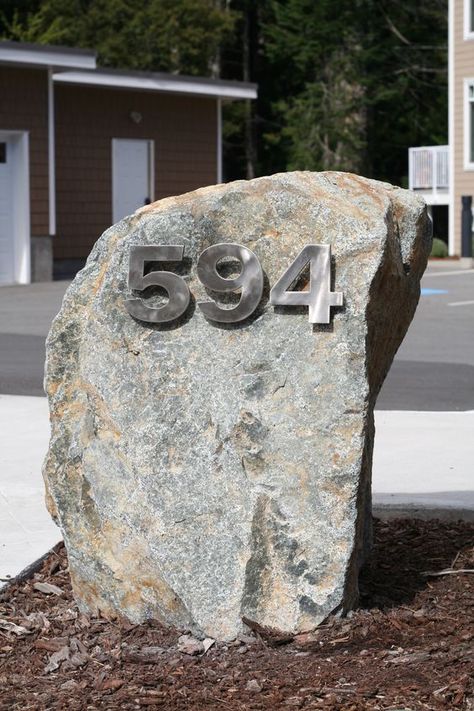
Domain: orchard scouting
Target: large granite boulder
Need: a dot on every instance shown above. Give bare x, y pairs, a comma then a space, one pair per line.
201, 472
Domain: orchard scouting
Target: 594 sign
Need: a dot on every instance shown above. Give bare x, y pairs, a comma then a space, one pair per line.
318, 298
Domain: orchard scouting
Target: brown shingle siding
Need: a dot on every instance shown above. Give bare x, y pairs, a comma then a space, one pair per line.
184, 130
24, 107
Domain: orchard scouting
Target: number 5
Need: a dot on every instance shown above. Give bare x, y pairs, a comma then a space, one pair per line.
178, 292
319, 298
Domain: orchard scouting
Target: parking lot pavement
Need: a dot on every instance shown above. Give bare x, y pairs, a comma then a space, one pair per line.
434, 367
26, 313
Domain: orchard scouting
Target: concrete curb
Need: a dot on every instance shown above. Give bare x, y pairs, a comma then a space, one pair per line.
386, 512
443, 505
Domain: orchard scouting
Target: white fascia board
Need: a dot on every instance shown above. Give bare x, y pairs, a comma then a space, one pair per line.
51, 157
171, 85
31, 57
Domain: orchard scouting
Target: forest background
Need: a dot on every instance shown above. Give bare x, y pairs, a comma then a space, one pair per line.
343, 84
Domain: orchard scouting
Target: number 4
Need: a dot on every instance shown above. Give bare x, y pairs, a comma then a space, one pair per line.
319, 298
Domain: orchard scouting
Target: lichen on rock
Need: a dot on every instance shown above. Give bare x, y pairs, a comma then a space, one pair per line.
201, 473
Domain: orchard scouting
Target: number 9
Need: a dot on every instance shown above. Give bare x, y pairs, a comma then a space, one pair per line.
250, 281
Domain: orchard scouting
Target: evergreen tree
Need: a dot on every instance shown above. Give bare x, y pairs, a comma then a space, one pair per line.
179, 36
359, 82
317, 46
343, 84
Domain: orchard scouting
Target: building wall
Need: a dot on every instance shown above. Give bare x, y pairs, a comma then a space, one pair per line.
24, 107
463, 59
184, 130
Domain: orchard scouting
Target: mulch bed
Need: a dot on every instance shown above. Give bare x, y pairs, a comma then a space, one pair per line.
410, 645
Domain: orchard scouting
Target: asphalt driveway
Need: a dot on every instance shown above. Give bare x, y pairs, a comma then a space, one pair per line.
26, 313
434, 367
433, 370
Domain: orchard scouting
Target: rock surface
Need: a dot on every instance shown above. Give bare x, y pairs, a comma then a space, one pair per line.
202, 473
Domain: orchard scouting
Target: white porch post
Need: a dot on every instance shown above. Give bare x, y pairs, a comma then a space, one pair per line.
51, 156
219, 140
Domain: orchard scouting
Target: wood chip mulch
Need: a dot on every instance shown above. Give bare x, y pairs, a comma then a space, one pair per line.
409, 646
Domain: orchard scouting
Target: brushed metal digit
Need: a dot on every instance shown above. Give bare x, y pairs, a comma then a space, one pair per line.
176, 287
249, 281
319, 298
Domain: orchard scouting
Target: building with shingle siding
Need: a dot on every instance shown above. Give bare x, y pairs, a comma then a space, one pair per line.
81, 147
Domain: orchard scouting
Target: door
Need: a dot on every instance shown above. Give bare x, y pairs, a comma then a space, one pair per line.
14, 208
7, 243
132, 175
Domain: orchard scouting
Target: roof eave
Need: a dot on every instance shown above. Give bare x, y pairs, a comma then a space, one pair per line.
55, 59
171, 85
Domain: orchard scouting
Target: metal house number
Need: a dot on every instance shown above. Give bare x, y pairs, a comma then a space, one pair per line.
318, 298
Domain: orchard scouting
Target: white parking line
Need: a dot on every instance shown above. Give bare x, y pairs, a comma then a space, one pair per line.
459, 272
461, 303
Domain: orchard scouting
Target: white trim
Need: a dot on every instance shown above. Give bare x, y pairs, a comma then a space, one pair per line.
451, 130
112, 179
410, 169
18, 148
219, 140
170, 84
51, 157
32, 57
468, 33
468, 163
428, 148
151, 169
113, 147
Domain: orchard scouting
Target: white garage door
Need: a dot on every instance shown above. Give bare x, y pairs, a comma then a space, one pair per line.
14, 208
7, 243
132, 175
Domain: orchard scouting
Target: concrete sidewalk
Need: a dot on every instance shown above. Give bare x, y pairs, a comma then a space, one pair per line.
26, 528
423, 452
424, 464
422, 460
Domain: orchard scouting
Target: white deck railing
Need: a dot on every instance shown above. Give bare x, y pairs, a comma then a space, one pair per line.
428, 168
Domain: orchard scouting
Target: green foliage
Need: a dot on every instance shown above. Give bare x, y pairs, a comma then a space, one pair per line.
170, 35
324, 126
317, 48
439, 248
343, 84
358, 82
406, 70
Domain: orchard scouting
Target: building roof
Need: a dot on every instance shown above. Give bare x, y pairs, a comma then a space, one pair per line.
161, 82
78, 66
43, 55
